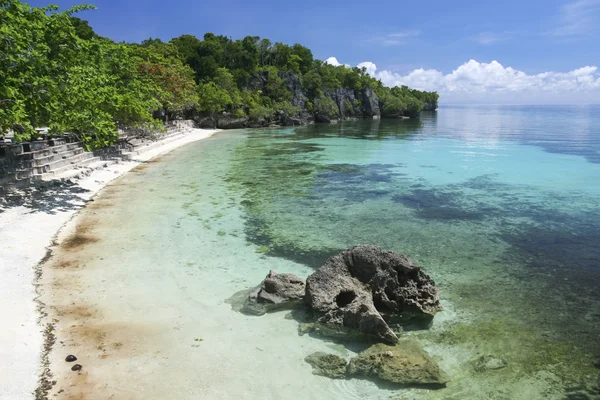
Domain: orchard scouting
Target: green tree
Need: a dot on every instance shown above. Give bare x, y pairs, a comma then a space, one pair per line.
275, 87
213, 99
51, 76
305, 57
312, 84
83, 30
325, 108
172, 82
226, 81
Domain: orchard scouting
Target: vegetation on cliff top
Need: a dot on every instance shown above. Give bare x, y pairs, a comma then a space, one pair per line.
56, 71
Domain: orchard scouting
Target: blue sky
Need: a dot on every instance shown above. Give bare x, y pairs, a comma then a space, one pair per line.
525, 37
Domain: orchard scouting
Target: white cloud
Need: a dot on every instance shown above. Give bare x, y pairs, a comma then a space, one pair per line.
396, 38
487, 38
405, 34
333, 61
493, 82
578, 18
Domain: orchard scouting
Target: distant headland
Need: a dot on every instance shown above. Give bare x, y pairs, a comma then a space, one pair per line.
58, 73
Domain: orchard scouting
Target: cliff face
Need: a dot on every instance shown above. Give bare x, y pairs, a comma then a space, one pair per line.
350, 104
430, 106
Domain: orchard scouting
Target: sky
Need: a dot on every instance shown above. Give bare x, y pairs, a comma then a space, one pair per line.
470, 51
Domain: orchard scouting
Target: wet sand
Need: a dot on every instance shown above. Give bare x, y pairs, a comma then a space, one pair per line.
27, 229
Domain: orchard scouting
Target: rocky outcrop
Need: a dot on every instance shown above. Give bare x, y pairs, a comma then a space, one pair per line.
370, 104
221, 121
277, 291
364, 290
328, 365
294, 85
229, 122
406, 363
351, 104
343, 305
290, 79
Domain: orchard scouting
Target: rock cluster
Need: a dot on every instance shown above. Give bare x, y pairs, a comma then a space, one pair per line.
406, 363
363, 292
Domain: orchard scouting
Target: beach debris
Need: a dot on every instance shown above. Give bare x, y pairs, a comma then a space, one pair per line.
328, 365
70, 358
76, 367
365, 291
405, 363
277, 291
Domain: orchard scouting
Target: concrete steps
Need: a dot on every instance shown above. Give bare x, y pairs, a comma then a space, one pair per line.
62, 163
39, 161
65, 158
70, 163
81, 169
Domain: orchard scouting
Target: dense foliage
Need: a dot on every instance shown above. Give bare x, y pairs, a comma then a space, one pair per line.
56, 71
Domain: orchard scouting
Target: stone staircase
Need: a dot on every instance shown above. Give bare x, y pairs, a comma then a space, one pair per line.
24, 164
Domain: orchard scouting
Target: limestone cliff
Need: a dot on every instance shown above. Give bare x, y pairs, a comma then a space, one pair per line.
349, 104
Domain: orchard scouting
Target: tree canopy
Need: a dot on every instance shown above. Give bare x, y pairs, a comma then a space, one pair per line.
55, 71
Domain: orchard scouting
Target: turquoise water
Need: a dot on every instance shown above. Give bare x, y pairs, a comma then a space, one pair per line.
500, 205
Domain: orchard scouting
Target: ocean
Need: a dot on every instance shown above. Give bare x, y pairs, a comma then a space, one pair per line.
499, 204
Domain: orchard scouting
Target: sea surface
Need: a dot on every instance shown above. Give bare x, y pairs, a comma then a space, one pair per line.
499, 204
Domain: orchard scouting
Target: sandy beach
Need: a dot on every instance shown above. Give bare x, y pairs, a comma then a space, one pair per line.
28, 227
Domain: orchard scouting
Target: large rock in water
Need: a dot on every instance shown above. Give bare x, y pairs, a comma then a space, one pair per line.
277, 291
406, 364
360, 291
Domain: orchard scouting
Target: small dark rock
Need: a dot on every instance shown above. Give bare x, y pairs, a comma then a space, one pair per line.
76, 367
277, 291
70, 358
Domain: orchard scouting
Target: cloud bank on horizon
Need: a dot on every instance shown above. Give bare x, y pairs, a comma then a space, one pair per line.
492, 82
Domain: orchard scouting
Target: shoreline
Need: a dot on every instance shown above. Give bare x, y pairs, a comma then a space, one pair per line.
27, 231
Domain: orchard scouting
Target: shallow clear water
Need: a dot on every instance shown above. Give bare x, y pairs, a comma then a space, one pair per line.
501, 205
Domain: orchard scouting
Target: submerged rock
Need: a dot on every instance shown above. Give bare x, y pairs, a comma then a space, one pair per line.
405, 363
489, 363
277, 291
364, 289
328, 365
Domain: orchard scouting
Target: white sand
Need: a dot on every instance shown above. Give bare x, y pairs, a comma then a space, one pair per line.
25, 233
